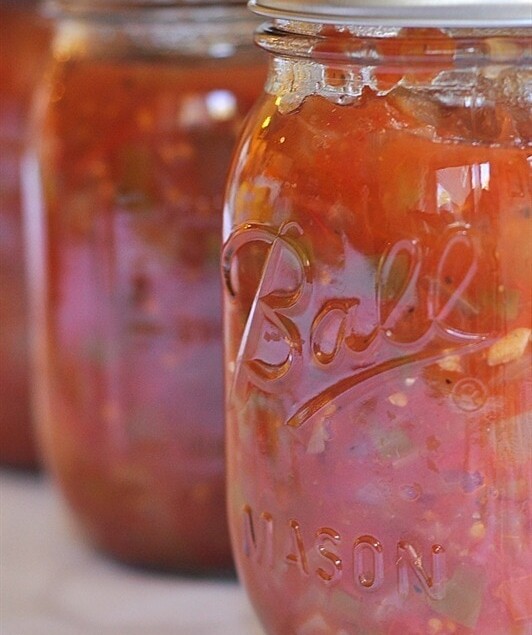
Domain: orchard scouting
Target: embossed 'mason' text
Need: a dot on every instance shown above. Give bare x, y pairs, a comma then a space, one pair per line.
361, 561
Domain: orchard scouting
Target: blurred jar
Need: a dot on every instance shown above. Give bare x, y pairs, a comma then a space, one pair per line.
24, 38
137, 122
378, 321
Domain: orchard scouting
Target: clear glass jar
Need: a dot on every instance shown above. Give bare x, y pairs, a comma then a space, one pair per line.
137, 121
25, 37
377, 270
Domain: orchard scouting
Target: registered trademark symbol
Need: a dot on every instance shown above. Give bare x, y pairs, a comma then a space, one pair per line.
469, 394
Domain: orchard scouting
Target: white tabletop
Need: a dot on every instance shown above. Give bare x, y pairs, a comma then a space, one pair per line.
52, 584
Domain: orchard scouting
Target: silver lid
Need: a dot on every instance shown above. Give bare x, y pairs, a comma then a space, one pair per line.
415, 13
110, 5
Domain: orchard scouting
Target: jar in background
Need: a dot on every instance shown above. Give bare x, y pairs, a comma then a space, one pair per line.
24, 36
377, 269
137, 121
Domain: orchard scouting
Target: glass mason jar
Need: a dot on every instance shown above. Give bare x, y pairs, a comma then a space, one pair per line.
377, 270
24, 36
137, 121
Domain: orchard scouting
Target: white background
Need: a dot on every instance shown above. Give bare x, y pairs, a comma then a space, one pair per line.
52, 584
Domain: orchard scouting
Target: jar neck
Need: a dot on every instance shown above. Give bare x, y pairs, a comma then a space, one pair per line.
388, 46
210, 30
430, 69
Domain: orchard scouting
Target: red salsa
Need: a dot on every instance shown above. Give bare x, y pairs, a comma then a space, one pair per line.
378, 288
23, 46
134, 152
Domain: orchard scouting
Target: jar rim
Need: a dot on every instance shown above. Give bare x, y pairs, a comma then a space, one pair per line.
401, 13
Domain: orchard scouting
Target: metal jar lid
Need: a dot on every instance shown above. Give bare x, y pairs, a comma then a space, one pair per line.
415, 13
111, 5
